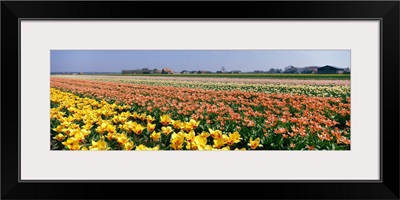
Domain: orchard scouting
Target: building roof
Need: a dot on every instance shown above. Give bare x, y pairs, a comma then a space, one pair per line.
311, 67
330, 67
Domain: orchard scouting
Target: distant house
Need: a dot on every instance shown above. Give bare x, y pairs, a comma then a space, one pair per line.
204, 72
184, 72
167, 71
310, 70
329, 70
236, 72
346, 71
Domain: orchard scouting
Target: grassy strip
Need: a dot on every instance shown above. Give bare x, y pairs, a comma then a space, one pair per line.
277, 76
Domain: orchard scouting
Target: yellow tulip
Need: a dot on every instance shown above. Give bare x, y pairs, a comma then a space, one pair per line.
141, 148
79, 136
150, 119
205, 134
151, 127
190, 136
177, 140
165, 120
177, 124
138, 129
254, 144
216, 134
60, 137
144, 148
200, 142
218, 143
110, 136
226, 148
85, 132
58, 128
233, 138
99, 145
193, 123
129, 145
155, 136
208, 148
121, 138
166, 130
72, 144
135, 115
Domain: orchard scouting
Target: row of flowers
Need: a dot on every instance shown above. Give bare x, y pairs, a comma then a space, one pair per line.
275, 121
306, 89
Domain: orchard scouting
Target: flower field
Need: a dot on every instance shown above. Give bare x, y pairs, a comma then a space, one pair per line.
314, 88
120, 114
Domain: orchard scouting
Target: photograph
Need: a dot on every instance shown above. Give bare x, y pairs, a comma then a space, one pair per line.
278, 95
291, 100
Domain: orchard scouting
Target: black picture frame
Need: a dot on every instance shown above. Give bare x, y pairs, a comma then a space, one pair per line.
13, 11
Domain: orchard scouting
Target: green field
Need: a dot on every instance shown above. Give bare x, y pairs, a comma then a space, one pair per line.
277, 76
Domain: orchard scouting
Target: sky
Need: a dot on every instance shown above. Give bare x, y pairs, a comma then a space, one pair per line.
178, 60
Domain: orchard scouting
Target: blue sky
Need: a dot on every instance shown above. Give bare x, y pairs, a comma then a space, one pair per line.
178, 60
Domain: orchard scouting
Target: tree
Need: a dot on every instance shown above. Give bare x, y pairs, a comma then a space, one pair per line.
223, 69
290, 70
272, 70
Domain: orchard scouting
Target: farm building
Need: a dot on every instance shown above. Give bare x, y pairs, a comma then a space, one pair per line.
236, 72
310, 70
203, 72
346, 71
329, 70
167, 71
